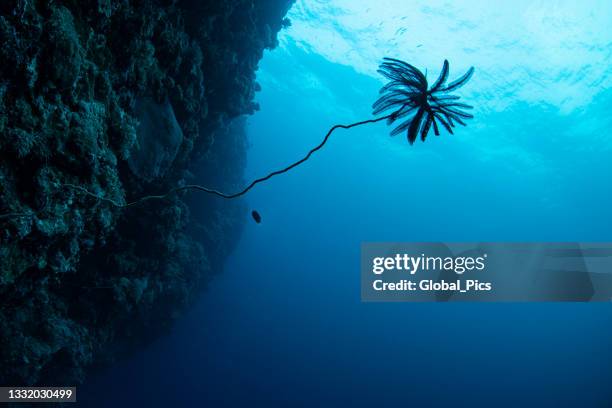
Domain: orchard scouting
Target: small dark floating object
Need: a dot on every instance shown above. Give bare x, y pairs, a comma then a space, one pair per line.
256, 216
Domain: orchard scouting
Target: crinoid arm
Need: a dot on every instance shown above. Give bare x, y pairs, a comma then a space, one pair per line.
402, 126
444, 98
444, 122
400, 113
435, 125
415, 124
454, 112
426, 126
391, 100
458, 83
456, 105
403, 72
458, 113
441, 79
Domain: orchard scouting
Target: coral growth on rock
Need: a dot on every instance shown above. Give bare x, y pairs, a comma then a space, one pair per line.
80, 82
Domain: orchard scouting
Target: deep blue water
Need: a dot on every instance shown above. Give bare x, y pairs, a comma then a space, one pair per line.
283, 325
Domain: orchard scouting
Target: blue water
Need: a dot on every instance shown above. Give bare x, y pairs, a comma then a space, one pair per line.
283, 325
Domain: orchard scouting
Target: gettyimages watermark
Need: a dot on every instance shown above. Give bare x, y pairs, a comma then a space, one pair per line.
490, 271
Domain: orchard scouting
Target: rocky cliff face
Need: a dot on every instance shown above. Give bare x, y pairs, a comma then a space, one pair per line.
122, 98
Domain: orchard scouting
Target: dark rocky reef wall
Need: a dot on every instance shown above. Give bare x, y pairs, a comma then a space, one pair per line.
123, 98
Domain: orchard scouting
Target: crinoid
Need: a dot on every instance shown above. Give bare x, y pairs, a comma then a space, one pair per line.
409, 96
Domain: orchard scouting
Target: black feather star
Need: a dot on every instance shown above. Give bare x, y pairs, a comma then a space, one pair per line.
409, 95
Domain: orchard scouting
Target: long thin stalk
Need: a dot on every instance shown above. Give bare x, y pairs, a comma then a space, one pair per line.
218, 193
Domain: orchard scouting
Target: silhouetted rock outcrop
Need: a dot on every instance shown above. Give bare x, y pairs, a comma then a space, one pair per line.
80, 280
